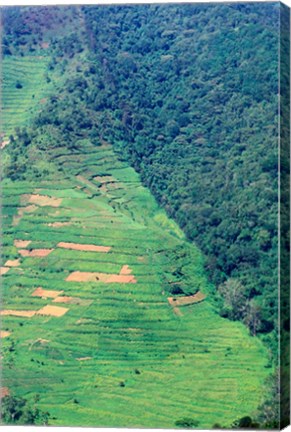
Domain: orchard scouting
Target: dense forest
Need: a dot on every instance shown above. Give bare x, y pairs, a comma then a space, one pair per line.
189, 95
196, 112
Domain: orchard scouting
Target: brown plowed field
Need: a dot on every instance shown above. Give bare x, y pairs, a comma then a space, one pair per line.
12, 263
21, 243
187, 300
39, 292
52, 311
4, 334
44, 200
84, 247
78, 276
18, 313
125, 270
4, 270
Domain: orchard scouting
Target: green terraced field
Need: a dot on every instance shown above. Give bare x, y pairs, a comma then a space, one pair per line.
24, 90
142, 364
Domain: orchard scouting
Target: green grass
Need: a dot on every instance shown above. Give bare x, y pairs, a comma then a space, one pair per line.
198, 365
19, 104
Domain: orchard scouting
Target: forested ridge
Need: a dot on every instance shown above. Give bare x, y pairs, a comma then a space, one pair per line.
189, 95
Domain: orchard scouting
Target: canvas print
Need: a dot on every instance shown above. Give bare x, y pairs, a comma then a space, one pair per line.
145, 215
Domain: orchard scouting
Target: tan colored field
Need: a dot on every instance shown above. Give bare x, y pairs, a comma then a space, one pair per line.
125, 270
21, 243
104, 179
187, 300
39, 292
121, 279
84, 247
4, 270
12, 263
4, 391
78, 276
84, 358
18, 313
35, 252
63, 299
177, 311
52, 311
4, 334
44, 200
58, 224
4, 144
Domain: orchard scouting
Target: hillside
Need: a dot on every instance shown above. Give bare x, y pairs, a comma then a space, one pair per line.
133, 348
166, 90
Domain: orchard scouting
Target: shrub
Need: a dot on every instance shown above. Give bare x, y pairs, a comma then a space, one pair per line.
187, 423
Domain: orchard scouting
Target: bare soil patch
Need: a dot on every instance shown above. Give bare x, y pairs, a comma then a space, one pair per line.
45, 45
4, 334
18, 313
177, 311
39, 292
4, 144
43, 101
84, 247
78, 276
59, 224
44, 200
4, 391
63, 299
12, 263
121, 279
35, 252
187, 300
84, 358
104, 179
125, 270
21, 243
49, 310
4, 270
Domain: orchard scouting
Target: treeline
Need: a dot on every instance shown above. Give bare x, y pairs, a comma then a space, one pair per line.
190, 93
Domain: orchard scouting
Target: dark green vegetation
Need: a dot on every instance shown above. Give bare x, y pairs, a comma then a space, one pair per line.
14, 410
188, 95
285, 214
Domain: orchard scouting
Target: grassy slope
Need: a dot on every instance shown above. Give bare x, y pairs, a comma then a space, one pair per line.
19, 104
197, 365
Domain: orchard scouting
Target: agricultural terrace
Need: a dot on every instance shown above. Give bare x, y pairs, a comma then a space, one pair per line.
24, 91
98, 351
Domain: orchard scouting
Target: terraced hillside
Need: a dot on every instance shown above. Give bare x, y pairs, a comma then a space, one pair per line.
24, 90
87, 324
